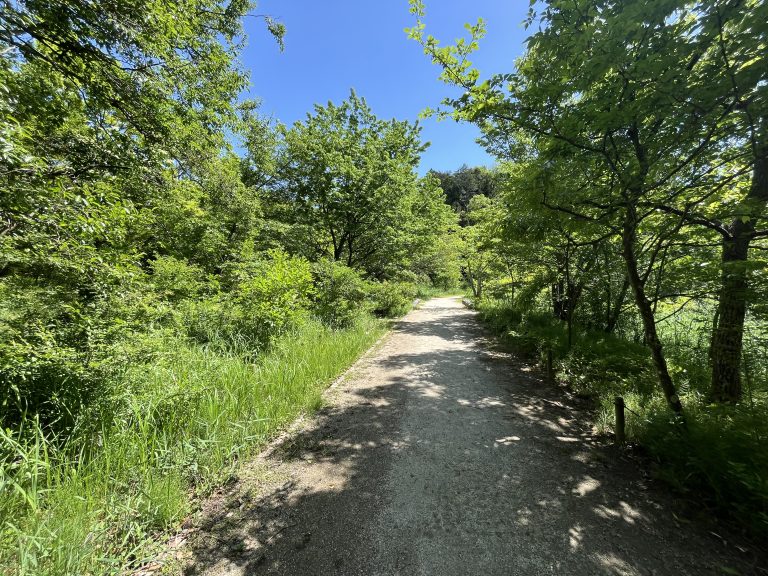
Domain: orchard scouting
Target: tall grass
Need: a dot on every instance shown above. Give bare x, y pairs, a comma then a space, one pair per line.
93, 505
426, 291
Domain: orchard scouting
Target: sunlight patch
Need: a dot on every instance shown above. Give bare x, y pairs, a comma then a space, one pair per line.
616, 565
587, 485
574, 537
508, 440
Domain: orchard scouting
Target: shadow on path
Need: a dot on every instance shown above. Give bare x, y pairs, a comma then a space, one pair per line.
442, 456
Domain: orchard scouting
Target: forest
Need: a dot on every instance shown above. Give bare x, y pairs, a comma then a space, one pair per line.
181, 275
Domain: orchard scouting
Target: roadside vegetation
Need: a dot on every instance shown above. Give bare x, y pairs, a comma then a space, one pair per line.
179, 277
627, 229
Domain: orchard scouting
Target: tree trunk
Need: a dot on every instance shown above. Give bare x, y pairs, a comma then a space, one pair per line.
557, 293
615, 313
728, 332
645, 309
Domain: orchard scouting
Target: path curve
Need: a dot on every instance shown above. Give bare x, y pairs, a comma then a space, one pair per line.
438, 456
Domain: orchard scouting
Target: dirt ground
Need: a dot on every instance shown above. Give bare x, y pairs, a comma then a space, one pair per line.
437, 455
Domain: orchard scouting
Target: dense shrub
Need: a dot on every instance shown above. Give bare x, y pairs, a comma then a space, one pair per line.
340, 295
176, 280
595, 363
54, 354
390, 299
274, 296
187, 417
719, 455
268, 297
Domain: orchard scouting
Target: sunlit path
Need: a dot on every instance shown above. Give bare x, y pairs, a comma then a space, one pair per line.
438, 456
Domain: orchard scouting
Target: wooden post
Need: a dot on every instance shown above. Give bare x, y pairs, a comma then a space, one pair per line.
550, 367
620, 436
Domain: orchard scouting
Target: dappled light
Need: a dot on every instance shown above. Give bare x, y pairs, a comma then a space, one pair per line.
424, 451
261, 314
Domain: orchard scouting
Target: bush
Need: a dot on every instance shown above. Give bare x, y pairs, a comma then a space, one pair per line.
594, 364
54, 355
391, 299
502, 289
720, 453
719, 456
176, 280
599, 364
340, 295
500, 316
275, 297
268, 298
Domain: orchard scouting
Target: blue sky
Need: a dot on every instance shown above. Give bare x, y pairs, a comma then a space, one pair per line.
336, 45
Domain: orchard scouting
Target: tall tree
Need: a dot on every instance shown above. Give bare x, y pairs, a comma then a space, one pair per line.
619, 84
347, 178
464, 184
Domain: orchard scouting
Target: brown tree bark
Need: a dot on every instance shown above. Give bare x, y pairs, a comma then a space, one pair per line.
728, 331
645, 309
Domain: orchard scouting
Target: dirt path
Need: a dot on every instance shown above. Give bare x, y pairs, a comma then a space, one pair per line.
439, 457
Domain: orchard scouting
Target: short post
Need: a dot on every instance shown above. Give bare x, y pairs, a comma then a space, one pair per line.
620, 436
550, 367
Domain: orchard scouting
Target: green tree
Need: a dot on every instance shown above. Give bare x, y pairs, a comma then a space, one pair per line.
617, 91
346, 179
464, 184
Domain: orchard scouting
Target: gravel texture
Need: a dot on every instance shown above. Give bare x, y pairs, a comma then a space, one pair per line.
437, 455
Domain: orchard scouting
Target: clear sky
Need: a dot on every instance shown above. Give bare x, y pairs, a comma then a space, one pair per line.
332, 46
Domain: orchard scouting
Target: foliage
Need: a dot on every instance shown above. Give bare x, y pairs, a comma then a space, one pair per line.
191, 413
718, 456
431, 239
272, 295
340, 294
390, 299
165, 303
348, 191
464, 184
150, 65
346, 178
644, 144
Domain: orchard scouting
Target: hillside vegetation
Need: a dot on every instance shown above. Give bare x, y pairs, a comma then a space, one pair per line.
179, 277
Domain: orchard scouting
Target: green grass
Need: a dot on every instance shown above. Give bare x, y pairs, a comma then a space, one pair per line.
187, 419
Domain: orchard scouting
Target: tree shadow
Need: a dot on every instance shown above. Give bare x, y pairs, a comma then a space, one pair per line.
449, 457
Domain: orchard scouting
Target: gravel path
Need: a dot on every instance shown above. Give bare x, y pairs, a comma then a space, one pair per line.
438, 456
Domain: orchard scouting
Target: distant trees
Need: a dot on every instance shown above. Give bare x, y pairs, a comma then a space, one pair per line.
464, 184
347, 185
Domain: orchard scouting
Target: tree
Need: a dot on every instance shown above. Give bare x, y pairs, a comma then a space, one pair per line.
112, 153
464, 184
617, 90
482, 258
347, 178
430, 236
144, 62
